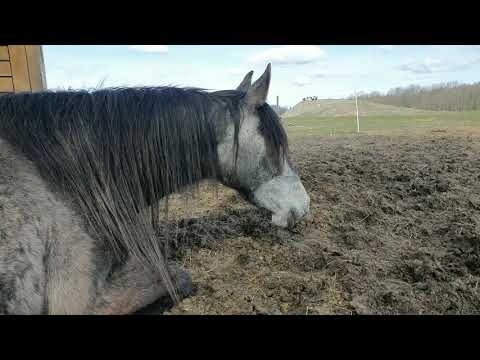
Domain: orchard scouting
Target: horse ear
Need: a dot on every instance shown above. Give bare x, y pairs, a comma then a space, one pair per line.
246, 82
258, 92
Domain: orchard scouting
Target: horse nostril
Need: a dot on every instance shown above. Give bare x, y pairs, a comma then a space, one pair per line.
291, 220
293, 217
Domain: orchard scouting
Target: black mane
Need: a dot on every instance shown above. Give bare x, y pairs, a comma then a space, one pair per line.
118, 151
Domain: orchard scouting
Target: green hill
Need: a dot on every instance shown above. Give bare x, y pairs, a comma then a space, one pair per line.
342, 108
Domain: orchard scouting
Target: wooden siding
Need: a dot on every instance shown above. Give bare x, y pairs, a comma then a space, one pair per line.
22, 68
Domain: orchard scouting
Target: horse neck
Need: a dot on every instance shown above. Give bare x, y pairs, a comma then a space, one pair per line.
205, 166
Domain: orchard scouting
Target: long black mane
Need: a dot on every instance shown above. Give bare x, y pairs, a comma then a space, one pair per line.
116, 152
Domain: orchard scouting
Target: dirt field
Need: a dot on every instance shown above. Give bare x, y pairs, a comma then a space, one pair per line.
394, 229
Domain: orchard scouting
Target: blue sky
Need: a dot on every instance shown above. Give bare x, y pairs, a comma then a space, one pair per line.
297, 71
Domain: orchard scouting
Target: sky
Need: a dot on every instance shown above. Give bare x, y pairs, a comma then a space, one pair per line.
298, 71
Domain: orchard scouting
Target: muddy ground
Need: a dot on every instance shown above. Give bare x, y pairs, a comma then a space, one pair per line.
394, 229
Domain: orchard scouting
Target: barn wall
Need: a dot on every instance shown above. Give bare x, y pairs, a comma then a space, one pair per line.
22, 68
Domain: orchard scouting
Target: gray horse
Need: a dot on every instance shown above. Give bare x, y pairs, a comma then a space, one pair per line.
82, 174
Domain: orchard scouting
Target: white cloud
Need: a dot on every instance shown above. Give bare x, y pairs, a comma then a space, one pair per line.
430, 66
322, 74
237, 72
301, 81
453, 47
386, 47
289, 54
426, 66
309, 78
468, 64
151, 48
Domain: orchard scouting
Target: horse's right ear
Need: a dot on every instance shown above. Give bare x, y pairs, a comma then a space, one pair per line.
246, 82
258, 92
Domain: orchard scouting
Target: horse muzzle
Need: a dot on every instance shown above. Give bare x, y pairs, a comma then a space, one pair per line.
286, 198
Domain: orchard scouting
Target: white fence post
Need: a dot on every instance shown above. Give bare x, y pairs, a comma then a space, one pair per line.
356, 107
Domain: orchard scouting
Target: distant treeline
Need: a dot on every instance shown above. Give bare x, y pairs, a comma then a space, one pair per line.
452, 96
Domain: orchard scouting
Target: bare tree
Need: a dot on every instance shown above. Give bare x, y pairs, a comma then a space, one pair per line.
450, 96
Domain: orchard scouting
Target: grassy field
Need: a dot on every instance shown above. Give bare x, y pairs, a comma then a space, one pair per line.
343, 108
302, 126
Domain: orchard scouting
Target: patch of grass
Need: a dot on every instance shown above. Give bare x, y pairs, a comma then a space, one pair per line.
382, 125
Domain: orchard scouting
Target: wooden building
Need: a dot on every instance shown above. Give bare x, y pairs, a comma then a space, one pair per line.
22, 68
